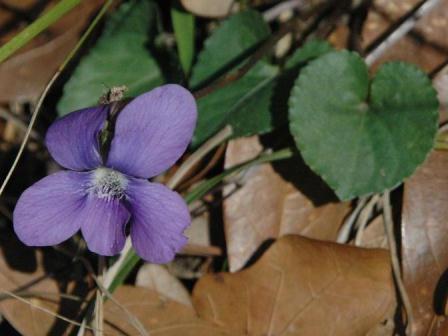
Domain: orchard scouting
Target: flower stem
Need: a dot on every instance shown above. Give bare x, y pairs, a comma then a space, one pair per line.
99, 320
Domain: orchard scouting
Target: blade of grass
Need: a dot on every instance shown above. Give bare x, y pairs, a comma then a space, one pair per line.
34, 29
183, 25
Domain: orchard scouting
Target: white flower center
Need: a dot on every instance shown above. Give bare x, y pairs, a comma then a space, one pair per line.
108, 183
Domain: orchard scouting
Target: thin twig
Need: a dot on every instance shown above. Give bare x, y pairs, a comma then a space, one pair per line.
45, 310
198, 155
396, 268
363, 218
265, 48
210, 165
346, 229
132, 319
405, 24
43, 294
99, 309
272, 13
8, 116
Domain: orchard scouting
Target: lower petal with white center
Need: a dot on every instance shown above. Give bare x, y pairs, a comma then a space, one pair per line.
159, 218
103, 225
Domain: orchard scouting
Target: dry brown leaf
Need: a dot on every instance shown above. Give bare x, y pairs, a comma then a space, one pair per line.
268, 206
425, 46
424, 246
374, 235
157, 278
159, 315
25, 319
301, 287
209, 8
24, 75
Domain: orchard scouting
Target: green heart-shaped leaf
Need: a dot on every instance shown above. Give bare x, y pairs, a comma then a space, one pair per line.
362, 138
119, 57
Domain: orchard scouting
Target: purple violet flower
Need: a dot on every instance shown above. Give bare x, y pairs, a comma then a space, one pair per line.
102, 198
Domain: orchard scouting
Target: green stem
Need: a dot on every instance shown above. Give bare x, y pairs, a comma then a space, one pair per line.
132, 259
37, 27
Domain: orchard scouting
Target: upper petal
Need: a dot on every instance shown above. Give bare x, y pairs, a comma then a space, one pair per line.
160, 217
103, 225
73, 139
47, 212
153, 131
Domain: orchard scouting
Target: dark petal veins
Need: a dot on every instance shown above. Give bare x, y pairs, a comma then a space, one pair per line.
160, 217
73, 140
153, 131
47, 213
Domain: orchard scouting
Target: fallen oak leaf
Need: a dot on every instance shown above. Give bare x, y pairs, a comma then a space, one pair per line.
22, 270
158, 314
424, 248
158, 278
301, 287
277, 207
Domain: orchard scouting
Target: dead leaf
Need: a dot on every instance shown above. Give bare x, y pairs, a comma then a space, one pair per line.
208, 8
301, 286
268, 206
159, 315
374, 235
24, 75
25, 319
424, 246
426, 45
157, 278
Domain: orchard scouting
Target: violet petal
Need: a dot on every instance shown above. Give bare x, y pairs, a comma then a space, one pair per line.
103, 225
160, 216
73, 139
47, 213
153, 131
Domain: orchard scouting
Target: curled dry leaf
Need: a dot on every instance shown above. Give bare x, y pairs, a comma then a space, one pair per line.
209, 8
424, 246
268, 206
301, 287
157, 278
159, 315
24, 75
22, 269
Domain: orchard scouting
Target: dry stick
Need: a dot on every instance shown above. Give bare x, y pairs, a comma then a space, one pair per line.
43, 294
265, 48
363, 218
133, 319
198, 155
201, 173
396, 268
389, 38
45, 310
7, 115
346, 228
272, 13
99, 312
